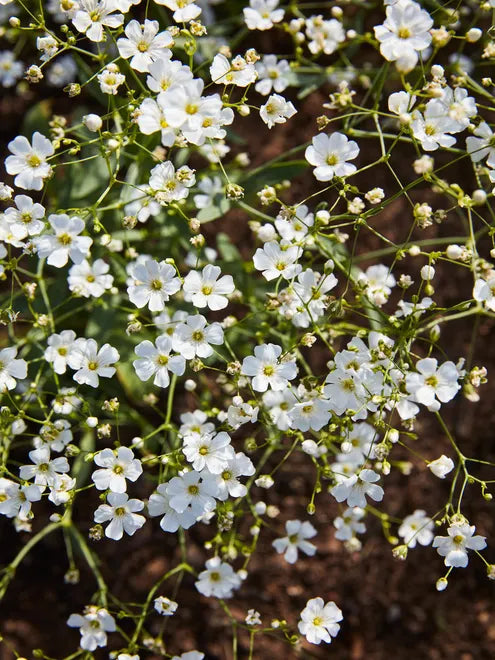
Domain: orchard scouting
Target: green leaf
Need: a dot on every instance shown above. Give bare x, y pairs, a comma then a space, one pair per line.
37, 118
214, 211
227, 250
275, 173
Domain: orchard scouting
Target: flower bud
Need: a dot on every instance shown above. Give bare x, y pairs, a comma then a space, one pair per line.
441, 584
92, 122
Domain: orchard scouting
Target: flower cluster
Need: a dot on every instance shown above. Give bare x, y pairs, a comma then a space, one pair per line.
209, 279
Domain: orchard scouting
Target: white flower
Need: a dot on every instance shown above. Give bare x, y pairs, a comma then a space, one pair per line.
208, 451
193, 491
184, 10
416, 528
116, 468
253, 618
58, 349
297, 533
93, 626
276, 110
143, 44
65, 241
240, 413
266, 370
218, 579
151, 119
272, 75
312, 412
11, 368
354, 489
169, 185
329, 155
441, 466
432, 385
480, 145
165, 606
312, 449
238, 72
90, 363
88, 280
262, 14
60, 489
434, 127
140, 204
193, 337
228, 480
29, 162
159, 505
324, 36
166, 73
379, 282
319, 621
484, 291
404, 33
278, 261
155, 360
110, 79
25, 220
349, 524
93, 15
10, 69
460, 107
153, 283
56, 435
44, 469
62, 72
66, 401
296, 226
454, 547
16, 500
121, 512
194, 423
401, 103
190, 655
205, 289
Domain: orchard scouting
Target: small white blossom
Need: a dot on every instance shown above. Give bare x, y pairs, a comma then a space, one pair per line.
441, 466
218, 579
120, 513
276, 110
93, 626
355, 488
90, 363
266, 370
28, 162
454, 547
416, 528
297, 533
155, 360
165, 606
329, 154
319, 621
262, 14
116, 468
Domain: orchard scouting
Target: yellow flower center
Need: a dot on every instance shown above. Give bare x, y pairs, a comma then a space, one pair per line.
64, 239
33, 160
